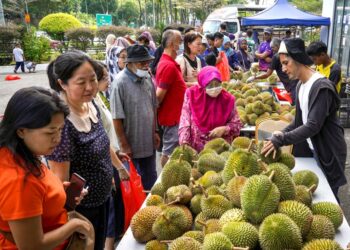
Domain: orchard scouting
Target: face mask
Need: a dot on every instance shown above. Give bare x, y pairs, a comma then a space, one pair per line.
181, 49
141, 73
214, 92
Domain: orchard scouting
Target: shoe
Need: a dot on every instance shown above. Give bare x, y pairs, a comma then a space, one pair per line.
15, 71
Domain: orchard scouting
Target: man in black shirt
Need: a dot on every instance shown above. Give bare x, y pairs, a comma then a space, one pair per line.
288, 84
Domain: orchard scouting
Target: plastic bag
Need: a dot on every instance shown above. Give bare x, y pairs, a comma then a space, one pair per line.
283, 95
12, 77
224, 67
132, 193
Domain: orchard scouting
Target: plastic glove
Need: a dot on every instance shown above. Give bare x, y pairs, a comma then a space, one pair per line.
250, 79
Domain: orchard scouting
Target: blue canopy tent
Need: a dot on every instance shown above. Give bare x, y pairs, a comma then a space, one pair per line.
284, 14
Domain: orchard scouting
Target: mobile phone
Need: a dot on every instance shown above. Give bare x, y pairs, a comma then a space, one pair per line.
77, 184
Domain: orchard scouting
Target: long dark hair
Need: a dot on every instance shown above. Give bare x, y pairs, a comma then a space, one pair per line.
64, 67
30, 108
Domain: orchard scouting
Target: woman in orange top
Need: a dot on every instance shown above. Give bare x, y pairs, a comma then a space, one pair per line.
32, 198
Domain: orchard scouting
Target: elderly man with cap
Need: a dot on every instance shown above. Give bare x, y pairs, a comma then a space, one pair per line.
264, 53
315, 130
133, 107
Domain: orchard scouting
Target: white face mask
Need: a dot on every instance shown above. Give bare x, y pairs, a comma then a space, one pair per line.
214, 92
141, 73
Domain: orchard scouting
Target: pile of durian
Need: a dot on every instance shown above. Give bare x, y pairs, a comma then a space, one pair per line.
231, 197
253, 105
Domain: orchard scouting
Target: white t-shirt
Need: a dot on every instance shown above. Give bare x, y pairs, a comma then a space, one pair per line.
303, 95
18, 54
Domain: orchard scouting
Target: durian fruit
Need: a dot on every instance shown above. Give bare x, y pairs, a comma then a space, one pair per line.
213, 206
241, 161
303, 195
241, 234
299, 213
209, 162
188, 214
156, 245
322, 244
242, 116
175, 173
180, 194
210, 178
240, 102
158, 189
232, 215
241, 142
246, 75
282, 180
195, 174
250, 99
197, 235
249, 108
142, 221
268, 159
225, 155
210, 226
195, 205
254, 67
287, 159
267, 108
185, 243
250, 92
188, 154
330, 210
213, 190
267, 98
234, 188
259, 198
258, 108
170, 224
321, 228
251, 118
154, 200
306, 178
218, 144
217, 241
200, 217
206, 151
278, 231
272, 79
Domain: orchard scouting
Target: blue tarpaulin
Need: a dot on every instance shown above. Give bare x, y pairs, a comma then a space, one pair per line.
284, 14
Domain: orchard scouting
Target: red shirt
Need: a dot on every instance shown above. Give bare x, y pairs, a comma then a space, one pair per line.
169, 77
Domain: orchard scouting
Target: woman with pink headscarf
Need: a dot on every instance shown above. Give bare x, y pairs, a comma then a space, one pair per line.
208, 112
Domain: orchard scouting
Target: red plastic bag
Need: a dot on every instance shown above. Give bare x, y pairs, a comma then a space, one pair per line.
283, 95
12, 77
132, 193
224, 67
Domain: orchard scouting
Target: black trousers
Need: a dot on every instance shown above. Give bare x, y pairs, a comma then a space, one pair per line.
19, 64
98, 216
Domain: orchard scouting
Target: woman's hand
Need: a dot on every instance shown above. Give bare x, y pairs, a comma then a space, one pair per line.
83, 193
123, 174
156, 140
122, 156
217, 132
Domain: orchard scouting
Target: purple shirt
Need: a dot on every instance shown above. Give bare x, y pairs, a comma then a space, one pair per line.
265, 46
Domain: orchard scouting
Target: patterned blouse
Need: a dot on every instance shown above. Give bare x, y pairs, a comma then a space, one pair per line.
190, 134
88, 151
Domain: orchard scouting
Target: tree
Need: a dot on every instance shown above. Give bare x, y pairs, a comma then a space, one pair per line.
127, 13
313, 6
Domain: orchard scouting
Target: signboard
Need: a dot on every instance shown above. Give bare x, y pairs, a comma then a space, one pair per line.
102, 19
27, 18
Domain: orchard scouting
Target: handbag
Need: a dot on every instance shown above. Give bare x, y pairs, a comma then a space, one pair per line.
132, 193
75, 241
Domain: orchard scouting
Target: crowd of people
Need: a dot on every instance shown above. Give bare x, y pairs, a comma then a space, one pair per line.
98, 117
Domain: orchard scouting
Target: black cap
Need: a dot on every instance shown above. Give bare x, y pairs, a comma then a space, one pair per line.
296, 49
138, 53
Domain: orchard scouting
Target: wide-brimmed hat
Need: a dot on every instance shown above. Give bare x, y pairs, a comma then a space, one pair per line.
138, 53
295, 48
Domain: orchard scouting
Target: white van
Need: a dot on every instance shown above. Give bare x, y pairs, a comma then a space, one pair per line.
229, 15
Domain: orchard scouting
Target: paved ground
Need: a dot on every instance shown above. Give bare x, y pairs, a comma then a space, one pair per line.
7, 88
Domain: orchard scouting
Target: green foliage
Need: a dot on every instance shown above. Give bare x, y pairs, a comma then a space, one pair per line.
128, 12
58, 23
103, 31
98, 56
80, 37
86, 19
8, 35
35, 48
313, 6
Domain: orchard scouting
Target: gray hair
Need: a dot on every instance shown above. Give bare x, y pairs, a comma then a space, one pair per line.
275, 42
169, 36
